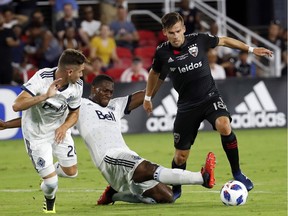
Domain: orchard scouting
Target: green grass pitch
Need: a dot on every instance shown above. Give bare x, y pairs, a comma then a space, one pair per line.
263, 157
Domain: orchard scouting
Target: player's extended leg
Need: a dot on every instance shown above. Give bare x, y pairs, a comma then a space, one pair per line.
49, 187
183, 139
161, 193
147, 171
230, 146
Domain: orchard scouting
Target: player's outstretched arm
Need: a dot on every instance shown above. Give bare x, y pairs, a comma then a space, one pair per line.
138, 97
25, 100
236, 44
14, 123
150, 89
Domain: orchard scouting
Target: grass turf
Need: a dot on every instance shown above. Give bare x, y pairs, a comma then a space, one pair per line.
263, 158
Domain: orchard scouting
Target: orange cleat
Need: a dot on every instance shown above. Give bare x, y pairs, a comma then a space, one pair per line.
208, 171
106, 197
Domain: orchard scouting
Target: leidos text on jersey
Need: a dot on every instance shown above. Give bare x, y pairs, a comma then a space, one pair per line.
189, 67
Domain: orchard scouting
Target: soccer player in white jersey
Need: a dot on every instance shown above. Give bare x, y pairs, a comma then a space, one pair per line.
130, 177
50, 102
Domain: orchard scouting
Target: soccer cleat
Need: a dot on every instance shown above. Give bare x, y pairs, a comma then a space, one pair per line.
239, 176
176, 189
49, 206
106, 197
208, 171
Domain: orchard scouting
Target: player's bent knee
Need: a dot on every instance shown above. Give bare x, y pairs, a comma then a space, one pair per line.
68, 172
223, 126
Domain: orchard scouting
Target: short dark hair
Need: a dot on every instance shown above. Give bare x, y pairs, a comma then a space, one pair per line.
170, 19
100, 78
71, 57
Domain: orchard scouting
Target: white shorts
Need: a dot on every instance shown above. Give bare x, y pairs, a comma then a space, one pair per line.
41, 153
118, 167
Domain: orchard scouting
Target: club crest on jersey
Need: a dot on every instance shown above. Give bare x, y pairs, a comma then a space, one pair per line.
193, 50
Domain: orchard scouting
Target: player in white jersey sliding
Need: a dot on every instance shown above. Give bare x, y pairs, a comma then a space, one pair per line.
130, 177
50, 102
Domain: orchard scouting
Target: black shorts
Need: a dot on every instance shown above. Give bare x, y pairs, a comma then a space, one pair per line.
186, 123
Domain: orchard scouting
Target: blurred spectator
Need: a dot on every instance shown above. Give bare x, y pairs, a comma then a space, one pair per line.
217, 71
70, 40
7, 41
284, 64
222, 52
89, 25
23, 71
229, 65
43, 46
38, 17
273, 34
26, 7
58, 8
94, 69
69, 21
191, 17
104, 46
135, 73
124, 31
18, 51
12, 19
108, 10
4, 4
243, 67
284, 38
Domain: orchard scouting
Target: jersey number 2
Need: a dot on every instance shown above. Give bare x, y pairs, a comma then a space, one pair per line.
70, 152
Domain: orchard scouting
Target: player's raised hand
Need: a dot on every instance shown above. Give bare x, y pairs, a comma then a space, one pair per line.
148, 106
261, 51
54, 88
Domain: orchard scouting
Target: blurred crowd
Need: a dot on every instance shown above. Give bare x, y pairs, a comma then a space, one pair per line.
112, 44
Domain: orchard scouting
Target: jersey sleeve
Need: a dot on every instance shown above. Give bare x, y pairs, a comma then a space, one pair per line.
210, 41
121, 104
76, 100
157, 63
34, 85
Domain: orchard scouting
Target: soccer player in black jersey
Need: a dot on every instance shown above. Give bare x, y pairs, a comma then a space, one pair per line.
184, 58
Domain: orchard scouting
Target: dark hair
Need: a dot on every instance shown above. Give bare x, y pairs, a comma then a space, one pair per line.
100, 78
170, 19
71, 57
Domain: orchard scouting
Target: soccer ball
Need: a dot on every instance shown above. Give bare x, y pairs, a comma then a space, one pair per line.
233, 193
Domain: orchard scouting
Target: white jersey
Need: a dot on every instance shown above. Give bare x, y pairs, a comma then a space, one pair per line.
40, 121
100, 127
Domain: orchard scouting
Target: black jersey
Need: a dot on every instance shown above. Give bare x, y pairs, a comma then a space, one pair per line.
188, 68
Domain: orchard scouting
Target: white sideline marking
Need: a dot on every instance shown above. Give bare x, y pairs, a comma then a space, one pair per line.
75, 190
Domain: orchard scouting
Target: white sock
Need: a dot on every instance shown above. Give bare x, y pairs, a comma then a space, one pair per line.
61, 173
177, 176
127, 196
49, 187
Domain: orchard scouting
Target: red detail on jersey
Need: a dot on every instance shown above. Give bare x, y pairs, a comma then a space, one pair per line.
176, 52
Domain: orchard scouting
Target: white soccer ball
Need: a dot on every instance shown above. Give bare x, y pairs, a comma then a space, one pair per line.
233, 193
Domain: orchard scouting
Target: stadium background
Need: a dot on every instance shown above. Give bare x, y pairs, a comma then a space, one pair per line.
258, 14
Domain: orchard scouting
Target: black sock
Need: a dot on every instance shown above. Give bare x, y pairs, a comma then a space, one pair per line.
230, 146
174, 165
